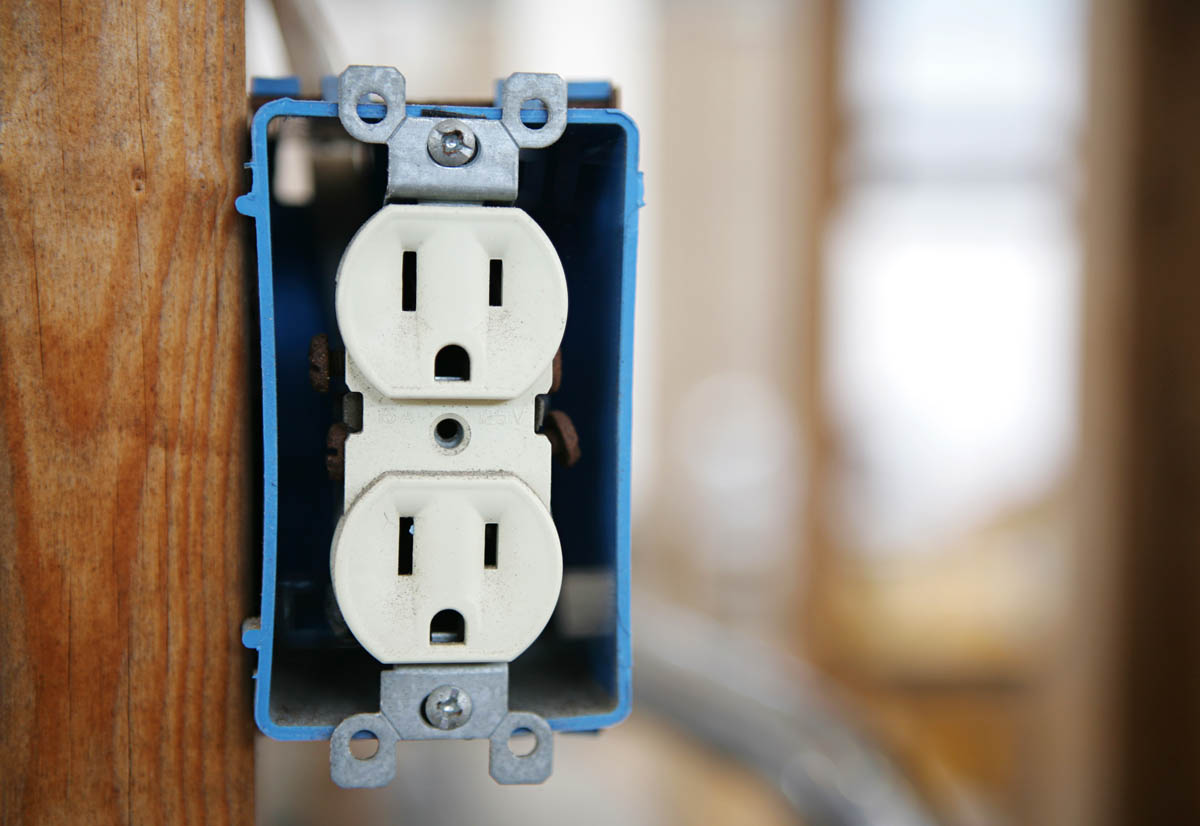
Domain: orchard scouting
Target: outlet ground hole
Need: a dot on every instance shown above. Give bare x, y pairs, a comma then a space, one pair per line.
447, 627
452, 364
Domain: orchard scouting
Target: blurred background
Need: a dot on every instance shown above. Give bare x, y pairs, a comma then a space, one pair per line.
859, 477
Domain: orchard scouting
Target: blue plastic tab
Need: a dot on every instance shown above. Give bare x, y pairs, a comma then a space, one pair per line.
275, 87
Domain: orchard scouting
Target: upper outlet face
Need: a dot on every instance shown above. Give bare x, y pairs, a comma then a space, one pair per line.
451, 302
446, 567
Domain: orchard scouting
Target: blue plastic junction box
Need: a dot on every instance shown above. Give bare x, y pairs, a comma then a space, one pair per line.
584, 191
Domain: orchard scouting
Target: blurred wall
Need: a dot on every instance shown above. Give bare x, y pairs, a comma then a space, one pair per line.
719, 527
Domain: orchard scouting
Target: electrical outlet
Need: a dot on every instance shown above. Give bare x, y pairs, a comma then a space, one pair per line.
485, 285
428, 572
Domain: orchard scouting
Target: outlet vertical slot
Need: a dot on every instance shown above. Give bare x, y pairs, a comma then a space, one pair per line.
447, 627
491, 532
496, 282
408, 281
407, 532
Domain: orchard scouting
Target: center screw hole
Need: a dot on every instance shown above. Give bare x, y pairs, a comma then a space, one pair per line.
447, 707
451, 143
449, 433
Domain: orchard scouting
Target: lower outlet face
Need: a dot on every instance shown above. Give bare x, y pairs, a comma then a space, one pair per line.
444, 567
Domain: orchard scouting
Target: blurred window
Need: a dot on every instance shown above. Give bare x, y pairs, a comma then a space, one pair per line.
953, 270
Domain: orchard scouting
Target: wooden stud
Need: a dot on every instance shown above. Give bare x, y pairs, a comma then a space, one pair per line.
125, 462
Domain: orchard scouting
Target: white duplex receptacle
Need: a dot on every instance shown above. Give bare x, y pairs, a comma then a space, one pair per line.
446, 550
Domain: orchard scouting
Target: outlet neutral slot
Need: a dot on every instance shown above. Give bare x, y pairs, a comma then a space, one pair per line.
404, 565
452, 364
496, 282
491, 533
447, 627
408, 281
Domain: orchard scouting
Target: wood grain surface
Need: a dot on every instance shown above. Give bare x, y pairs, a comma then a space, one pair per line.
125, 479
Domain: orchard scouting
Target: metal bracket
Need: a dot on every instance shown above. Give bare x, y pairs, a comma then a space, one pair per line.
433, 702
452, 158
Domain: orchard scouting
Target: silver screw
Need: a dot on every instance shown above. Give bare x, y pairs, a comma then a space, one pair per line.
451, 143
447, 707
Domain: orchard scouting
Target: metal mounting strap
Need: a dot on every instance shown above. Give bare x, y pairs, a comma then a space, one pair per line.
452, 159
434, 702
